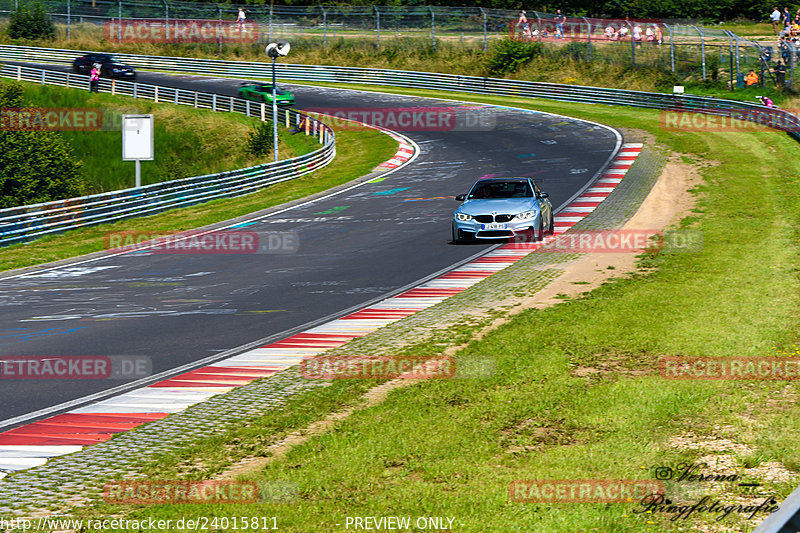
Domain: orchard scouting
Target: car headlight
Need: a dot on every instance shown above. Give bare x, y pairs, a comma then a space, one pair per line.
463, 217
527, 215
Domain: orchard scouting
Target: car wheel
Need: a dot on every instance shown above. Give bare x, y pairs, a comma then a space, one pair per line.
551, 228
76, 69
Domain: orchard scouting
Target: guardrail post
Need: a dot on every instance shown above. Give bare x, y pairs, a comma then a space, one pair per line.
195, 99
113, 87
43, 77
19, 73
155, 94
433, 28
378, 23
485, 35
135, 87
702, 50
263, 112
69, 21
247, 107
286, 117
324, 26
214, 102
231, 106
175, 95
67, 86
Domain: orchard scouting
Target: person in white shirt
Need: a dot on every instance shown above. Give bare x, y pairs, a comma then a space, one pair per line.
775, 17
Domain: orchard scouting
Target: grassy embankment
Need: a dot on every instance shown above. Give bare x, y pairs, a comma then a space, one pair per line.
187, 141
452, 447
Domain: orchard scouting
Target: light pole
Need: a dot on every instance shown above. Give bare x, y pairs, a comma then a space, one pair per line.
280, 48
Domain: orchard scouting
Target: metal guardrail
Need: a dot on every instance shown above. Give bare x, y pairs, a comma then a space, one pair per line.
24, 223
745, 111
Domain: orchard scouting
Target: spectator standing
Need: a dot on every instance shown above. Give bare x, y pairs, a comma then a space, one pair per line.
775, 17
780, 74
659, 36
560, 20
240, 20
94, 78
521, 23
787, 17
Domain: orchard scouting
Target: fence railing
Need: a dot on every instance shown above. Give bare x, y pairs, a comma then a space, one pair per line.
24, 223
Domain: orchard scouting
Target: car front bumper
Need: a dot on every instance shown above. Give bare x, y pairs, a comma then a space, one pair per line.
495, 230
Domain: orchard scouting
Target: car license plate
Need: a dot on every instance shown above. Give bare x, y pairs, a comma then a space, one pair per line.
493, 225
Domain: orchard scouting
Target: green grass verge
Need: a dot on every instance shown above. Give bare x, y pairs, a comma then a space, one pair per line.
451, 447
357, 153
188, 142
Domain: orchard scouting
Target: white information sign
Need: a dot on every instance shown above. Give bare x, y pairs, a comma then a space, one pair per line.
137, 137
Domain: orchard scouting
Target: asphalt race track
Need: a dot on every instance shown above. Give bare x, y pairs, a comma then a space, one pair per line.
351, 248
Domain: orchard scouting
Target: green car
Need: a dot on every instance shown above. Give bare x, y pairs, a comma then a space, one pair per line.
262, 92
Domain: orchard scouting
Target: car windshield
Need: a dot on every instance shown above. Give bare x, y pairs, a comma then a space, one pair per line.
500, 189
105, 59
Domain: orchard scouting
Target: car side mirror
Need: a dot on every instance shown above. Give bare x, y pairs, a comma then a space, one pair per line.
461, 197
544, 195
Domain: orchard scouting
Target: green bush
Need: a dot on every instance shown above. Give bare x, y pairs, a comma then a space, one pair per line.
508, 55
27, 23
35, 166
259, 141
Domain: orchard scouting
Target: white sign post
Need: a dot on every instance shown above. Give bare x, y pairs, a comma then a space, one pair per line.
137, 141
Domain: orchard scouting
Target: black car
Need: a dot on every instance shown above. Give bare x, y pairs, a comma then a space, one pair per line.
110, 67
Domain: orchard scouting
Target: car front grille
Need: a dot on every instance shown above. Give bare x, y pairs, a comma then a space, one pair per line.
485, 219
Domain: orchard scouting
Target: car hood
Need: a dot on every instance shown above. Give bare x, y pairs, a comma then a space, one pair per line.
508, 206
118, 65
